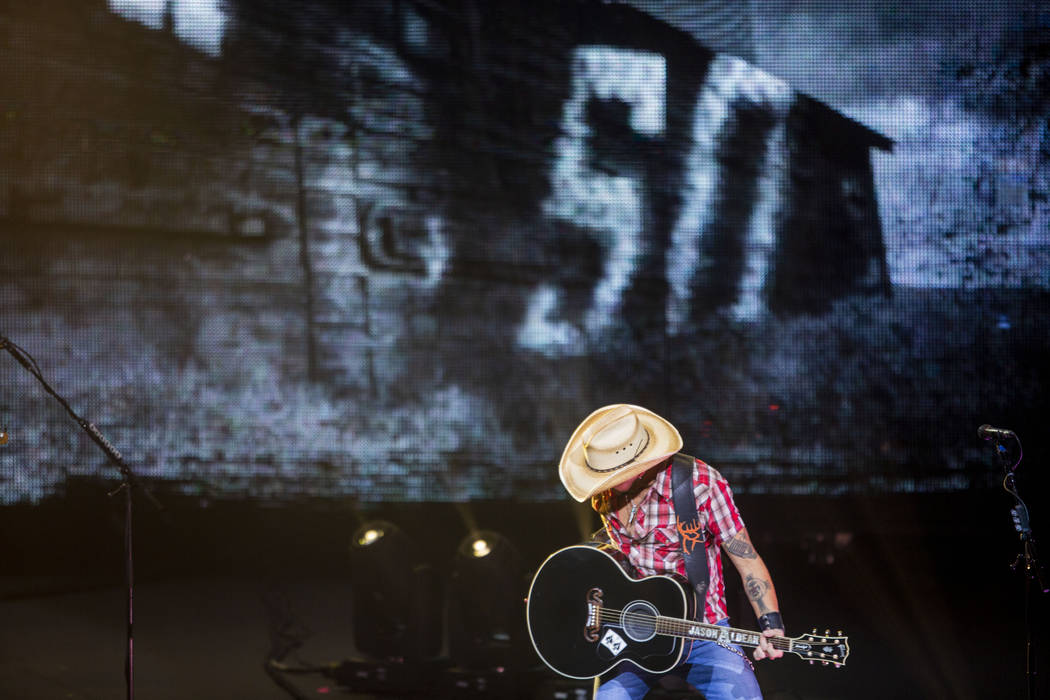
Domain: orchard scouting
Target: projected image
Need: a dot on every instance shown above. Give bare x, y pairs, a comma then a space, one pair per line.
396, 251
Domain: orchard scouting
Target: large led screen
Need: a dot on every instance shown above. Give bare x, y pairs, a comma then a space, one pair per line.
396, 251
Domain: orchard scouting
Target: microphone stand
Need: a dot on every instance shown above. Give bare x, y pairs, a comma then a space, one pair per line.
128, 484
1032, 568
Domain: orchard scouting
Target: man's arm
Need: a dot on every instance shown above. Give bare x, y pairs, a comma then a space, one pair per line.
758, 584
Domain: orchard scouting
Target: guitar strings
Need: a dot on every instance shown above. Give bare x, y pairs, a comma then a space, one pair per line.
670, 625
679, 628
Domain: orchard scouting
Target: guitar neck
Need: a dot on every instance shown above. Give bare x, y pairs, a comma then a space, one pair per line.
689, 629
828, 650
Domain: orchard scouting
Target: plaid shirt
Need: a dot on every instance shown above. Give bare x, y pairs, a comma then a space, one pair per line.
650, 541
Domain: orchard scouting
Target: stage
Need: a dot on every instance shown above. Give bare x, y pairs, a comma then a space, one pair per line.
215, 585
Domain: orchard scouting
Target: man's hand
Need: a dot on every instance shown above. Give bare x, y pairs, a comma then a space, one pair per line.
765, 649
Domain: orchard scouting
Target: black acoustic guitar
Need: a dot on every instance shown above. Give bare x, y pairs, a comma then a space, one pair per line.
585, 615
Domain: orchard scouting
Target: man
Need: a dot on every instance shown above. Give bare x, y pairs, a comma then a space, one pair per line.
620, 457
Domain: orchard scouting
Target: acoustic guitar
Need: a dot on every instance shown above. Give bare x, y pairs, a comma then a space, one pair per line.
585, 615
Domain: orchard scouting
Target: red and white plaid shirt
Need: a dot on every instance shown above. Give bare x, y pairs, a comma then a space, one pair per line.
650, 541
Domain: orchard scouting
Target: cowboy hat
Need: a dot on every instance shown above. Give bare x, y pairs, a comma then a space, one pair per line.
612, 445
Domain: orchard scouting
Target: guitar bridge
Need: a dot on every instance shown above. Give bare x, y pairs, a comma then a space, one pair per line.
591, 631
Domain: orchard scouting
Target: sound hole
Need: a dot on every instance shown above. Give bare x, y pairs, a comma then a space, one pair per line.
639, 621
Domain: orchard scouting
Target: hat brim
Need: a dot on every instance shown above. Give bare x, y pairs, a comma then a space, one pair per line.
582, 482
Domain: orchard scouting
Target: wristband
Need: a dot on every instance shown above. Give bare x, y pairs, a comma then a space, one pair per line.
771, 621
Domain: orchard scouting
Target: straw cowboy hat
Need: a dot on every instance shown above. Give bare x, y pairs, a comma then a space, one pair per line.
614, 444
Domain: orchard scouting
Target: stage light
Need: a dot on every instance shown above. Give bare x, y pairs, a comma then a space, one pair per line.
369, 536
486, 620
480, 548
395, 595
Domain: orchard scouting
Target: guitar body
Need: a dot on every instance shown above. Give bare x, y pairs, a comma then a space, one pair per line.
585, 615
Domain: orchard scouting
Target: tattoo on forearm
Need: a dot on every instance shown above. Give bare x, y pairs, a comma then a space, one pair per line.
740, 546
756, 591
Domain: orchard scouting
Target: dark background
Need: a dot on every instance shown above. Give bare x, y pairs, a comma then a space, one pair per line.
308, 265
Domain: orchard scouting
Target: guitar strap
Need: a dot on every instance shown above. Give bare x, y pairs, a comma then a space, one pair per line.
690, 534
693, 537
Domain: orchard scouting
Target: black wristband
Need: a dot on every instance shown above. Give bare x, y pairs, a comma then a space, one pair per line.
771, 621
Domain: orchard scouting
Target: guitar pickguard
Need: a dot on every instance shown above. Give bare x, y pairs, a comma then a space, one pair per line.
614, 642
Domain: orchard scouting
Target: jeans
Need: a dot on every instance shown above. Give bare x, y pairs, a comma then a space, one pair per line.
715, 671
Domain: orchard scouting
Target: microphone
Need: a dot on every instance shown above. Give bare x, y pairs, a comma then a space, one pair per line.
987, 432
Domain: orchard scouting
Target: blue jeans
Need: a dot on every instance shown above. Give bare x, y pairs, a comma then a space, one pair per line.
715, 671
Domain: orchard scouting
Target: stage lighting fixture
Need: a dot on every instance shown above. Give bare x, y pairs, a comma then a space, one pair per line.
486, 619
370, 535
396, 595
480, 548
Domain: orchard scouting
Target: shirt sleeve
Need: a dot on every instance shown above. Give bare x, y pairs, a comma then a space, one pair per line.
723, 518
